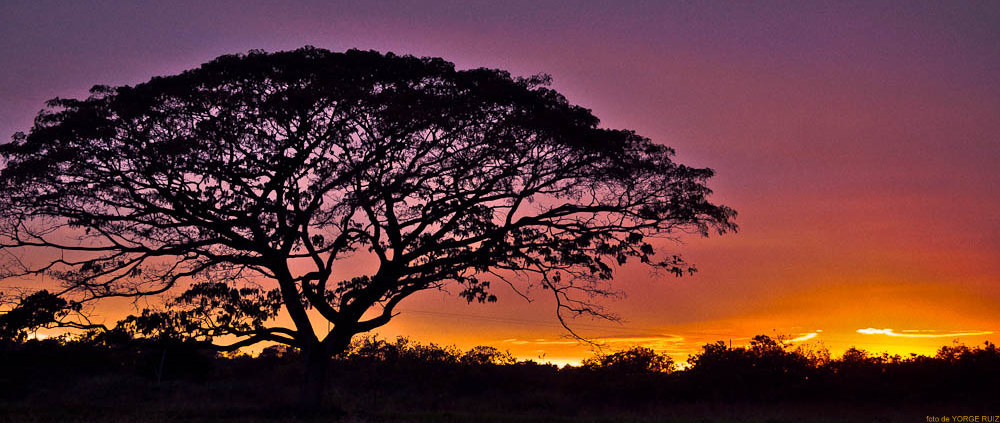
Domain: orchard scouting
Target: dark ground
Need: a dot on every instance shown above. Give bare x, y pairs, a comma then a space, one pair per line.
407, 382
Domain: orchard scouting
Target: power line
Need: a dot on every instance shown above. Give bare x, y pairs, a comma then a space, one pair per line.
528, 322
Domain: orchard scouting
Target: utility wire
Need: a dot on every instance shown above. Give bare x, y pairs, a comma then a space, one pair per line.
528, 322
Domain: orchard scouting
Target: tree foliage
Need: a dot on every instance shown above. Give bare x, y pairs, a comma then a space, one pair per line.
36, 310
239, 187
631, 361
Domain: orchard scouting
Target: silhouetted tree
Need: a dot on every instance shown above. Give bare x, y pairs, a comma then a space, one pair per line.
32, 312
239, 187
633, 360
486, 355
760, 370
403, 350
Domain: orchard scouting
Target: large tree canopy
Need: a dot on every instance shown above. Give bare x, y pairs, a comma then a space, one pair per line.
241, 185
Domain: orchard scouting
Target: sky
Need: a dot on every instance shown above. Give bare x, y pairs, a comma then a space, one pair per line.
857, 140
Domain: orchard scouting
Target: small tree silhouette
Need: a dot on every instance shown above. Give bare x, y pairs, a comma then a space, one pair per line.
631, 361
32, 312
486, 355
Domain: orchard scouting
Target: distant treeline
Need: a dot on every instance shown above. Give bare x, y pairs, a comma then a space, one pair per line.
405, 374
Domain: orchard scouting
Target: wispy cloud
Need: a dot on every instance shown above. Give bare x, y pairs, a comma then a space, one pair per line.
644, 338
656, 341
540, 341
922, 333
805, 337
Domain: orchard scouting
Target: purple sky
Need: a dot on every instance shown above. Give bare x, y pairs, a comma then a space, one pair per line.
858, 140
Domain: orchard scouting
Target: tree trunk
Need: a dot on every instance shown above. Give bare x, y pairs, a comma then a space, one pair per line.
317, 365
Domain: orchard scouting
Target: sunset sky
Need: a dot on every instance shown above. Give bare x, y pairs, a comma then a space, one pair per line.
859, 142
